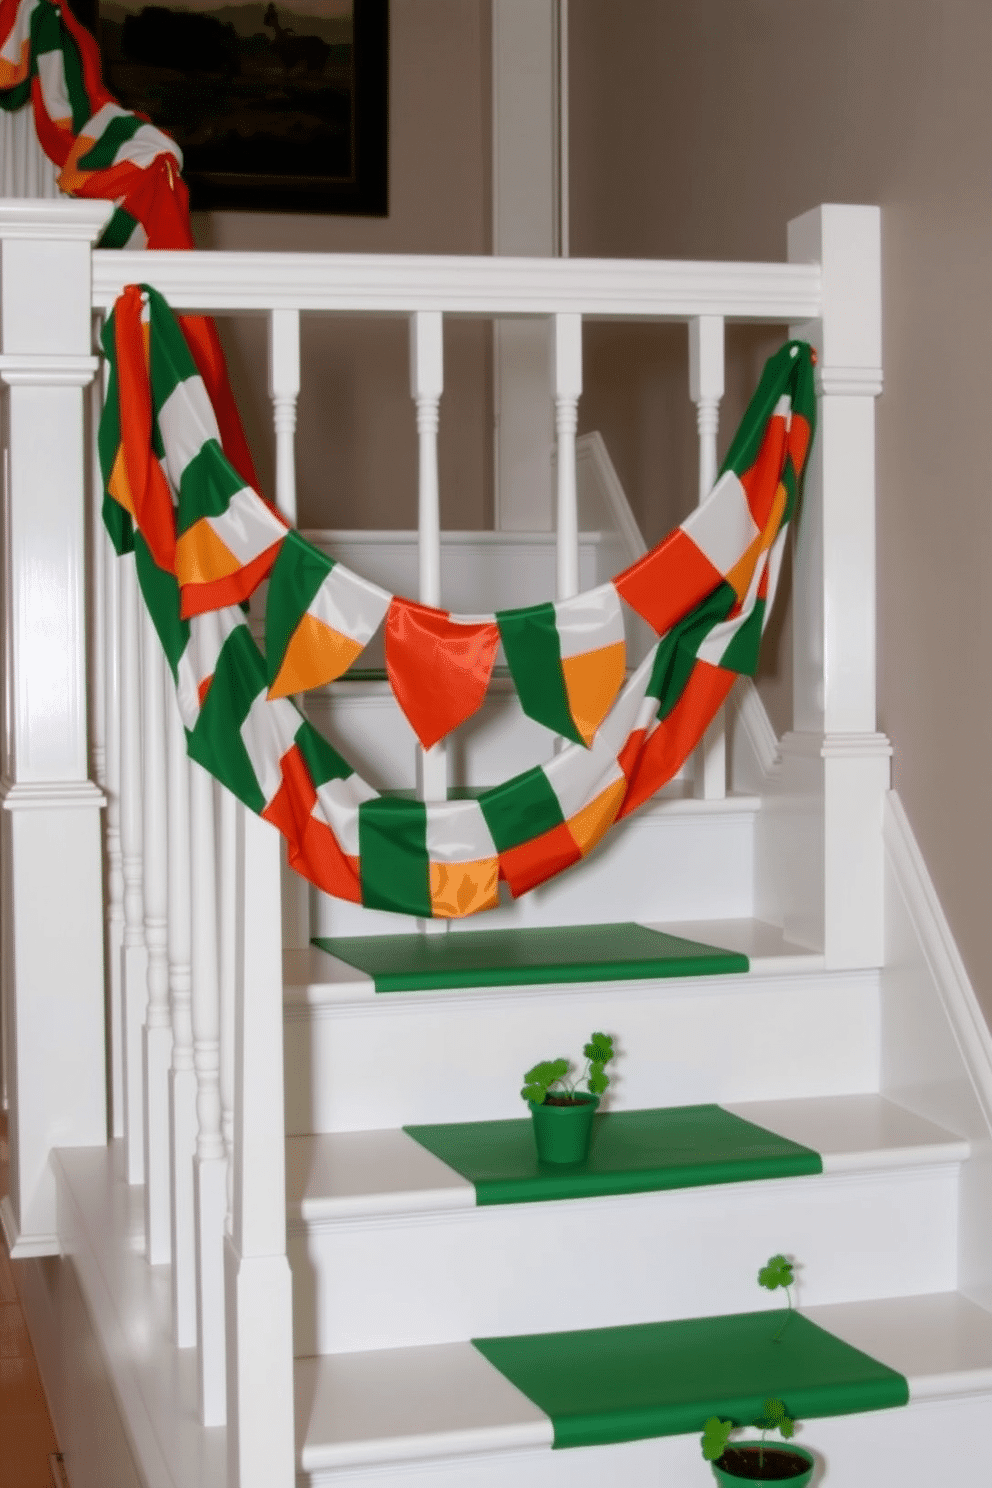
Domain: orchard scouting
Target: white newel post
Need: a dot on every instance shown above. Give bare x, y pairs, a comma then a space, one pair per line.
210, 1165
284, 390
157, 1032
426, 386
51, 918
706, 389
260, 1442
835, 769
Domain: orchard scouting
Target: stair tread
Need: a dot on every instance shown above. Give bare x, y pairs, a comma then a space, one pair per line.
314, 976
342, 1175
440, 1399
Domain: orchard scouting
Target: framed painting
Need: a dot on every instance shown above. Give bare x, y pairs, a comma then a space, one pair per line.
277, 105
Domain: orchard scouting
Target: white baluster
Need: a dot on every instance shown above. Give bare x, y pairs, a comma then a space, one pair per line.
260, 1451
107, 756
134, 955
426, 385
115, 872
210, 1168
182, 1077
98, 601
284, 389
157, 1043
706, 390
227, 903
567, 338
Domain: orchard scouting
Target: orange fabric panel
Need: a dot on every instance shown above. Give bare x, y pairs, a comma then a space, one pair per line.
459, 889
668, 582
532, 862
677, 735
439, 670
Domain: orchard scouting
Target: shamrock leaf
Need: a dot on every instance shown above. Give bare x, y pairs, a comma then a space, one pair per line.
777, 1273
599, 1049
716, 1434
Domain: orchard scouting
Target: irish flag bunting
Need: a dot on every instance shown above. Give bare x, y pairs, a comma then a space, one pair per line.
707, 588
567, 660
50, 61
319, 618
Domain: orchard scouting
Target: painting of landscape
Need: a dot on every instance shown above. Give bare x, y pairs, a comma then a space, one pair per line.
265, 100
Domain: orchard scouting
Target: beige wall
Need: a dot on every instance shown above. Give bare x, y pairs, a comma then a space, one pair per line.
356, 440
697, 131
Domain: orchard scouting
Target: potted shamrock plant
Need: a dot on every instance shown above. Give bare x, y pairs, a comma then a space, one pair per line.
756, 1461
561, 1113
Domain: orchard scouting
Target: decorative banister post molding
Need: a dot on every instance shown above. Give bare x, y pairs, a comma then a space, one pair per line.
827, 825
258, 1285
52, 911
566, 334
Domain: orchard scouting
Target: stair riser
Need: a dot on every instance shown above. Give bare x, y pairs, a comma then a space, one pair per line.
916, 1446
404, 1058
523, 1268
671, 862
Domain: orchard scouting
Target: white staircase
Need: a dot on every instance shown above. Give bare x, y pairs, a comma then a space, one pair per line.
853, 1032
395, 1267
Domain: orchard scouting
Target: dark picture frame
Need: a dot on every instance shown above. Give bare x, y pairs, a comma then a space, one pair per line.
282, 110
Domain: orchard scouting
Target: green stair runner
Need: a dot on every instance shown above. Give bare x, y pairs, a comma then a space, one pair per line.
513, 958
606, 1385
631, 1152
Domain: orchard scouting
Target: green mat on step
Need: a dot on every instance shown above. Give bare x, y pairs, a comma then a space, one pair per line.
606, 1385
630, 1152
513, 958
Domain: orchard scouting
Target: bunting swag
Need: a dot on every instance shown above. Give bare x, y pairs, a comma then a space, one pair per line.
202, 538
50, 61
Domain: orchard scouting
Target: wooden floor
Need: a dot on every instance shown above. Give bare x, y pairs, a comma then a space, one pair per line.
27, 1440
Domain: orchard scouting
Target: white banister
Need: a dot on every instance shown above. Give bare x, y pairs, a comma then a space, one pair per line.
706, 385
284, 389
182, 1077
210, 1168
426, 385
260, 1451
157, 1042
567, 361
134, 953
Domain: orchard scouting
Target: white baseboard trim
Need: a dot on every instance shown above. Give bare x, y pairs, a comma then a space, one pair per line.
951, 980
24, 1247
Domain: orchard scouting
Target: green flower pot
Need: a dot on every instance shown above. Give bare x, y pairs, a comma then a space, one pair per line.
729, 1479
562, 1133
